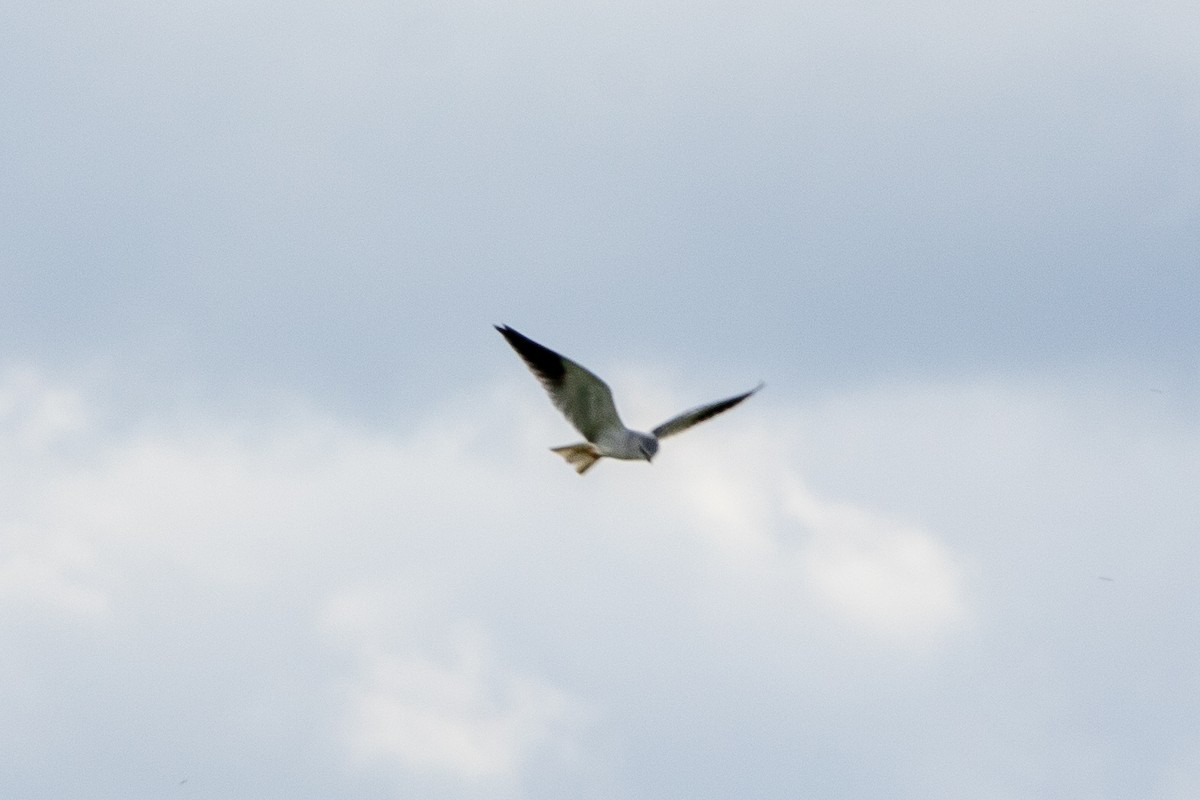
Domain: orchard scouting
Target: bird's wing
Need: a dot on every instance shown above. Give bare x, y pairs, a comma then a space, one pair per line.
695, 416
585, 400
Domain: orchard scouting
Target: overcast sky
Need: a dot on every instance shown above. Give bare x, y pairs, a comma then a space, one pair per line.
277, 514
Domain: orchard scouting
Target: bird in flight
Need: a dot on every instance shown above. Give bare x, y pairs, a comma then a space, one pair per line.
587, 403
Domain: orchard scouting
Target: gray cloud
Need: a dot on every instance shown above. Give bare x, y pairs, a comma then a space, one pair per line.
252, 192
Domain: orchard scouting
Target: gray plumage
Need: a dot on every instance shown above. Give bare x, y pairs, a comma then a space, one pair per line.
587, 403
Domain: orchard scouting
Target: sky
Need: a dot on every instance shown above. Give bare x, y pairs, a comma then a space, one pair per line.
277, 513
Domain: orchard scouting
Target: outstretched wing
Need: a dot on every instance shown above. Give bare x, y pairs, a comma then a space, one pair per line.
585, 400
697, 415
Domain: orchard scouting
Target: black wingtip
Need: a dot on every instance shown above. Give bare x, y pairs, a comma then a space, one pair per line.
545, 363
747, 395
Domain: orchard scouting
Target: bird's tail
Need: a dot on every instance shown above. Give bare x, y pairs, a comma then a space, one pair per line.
580, 456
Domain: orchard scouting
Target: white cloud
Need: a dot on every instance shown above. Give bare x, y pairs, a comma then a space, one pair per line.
34, 413
898, 581
58, 577
39, 569
455, 711
484, 618
737, 488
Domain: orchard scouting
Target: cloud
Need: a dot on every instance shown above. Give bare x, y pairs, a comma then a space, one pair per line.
870, 190
459, 713
56, 577
739, 489
133, 525
437, 605
869, 573
35, 414
60, 573
896, 580
153, 531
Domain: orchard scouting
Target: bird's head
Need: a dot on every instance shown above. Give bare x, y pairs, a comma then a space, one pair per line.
648, 445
